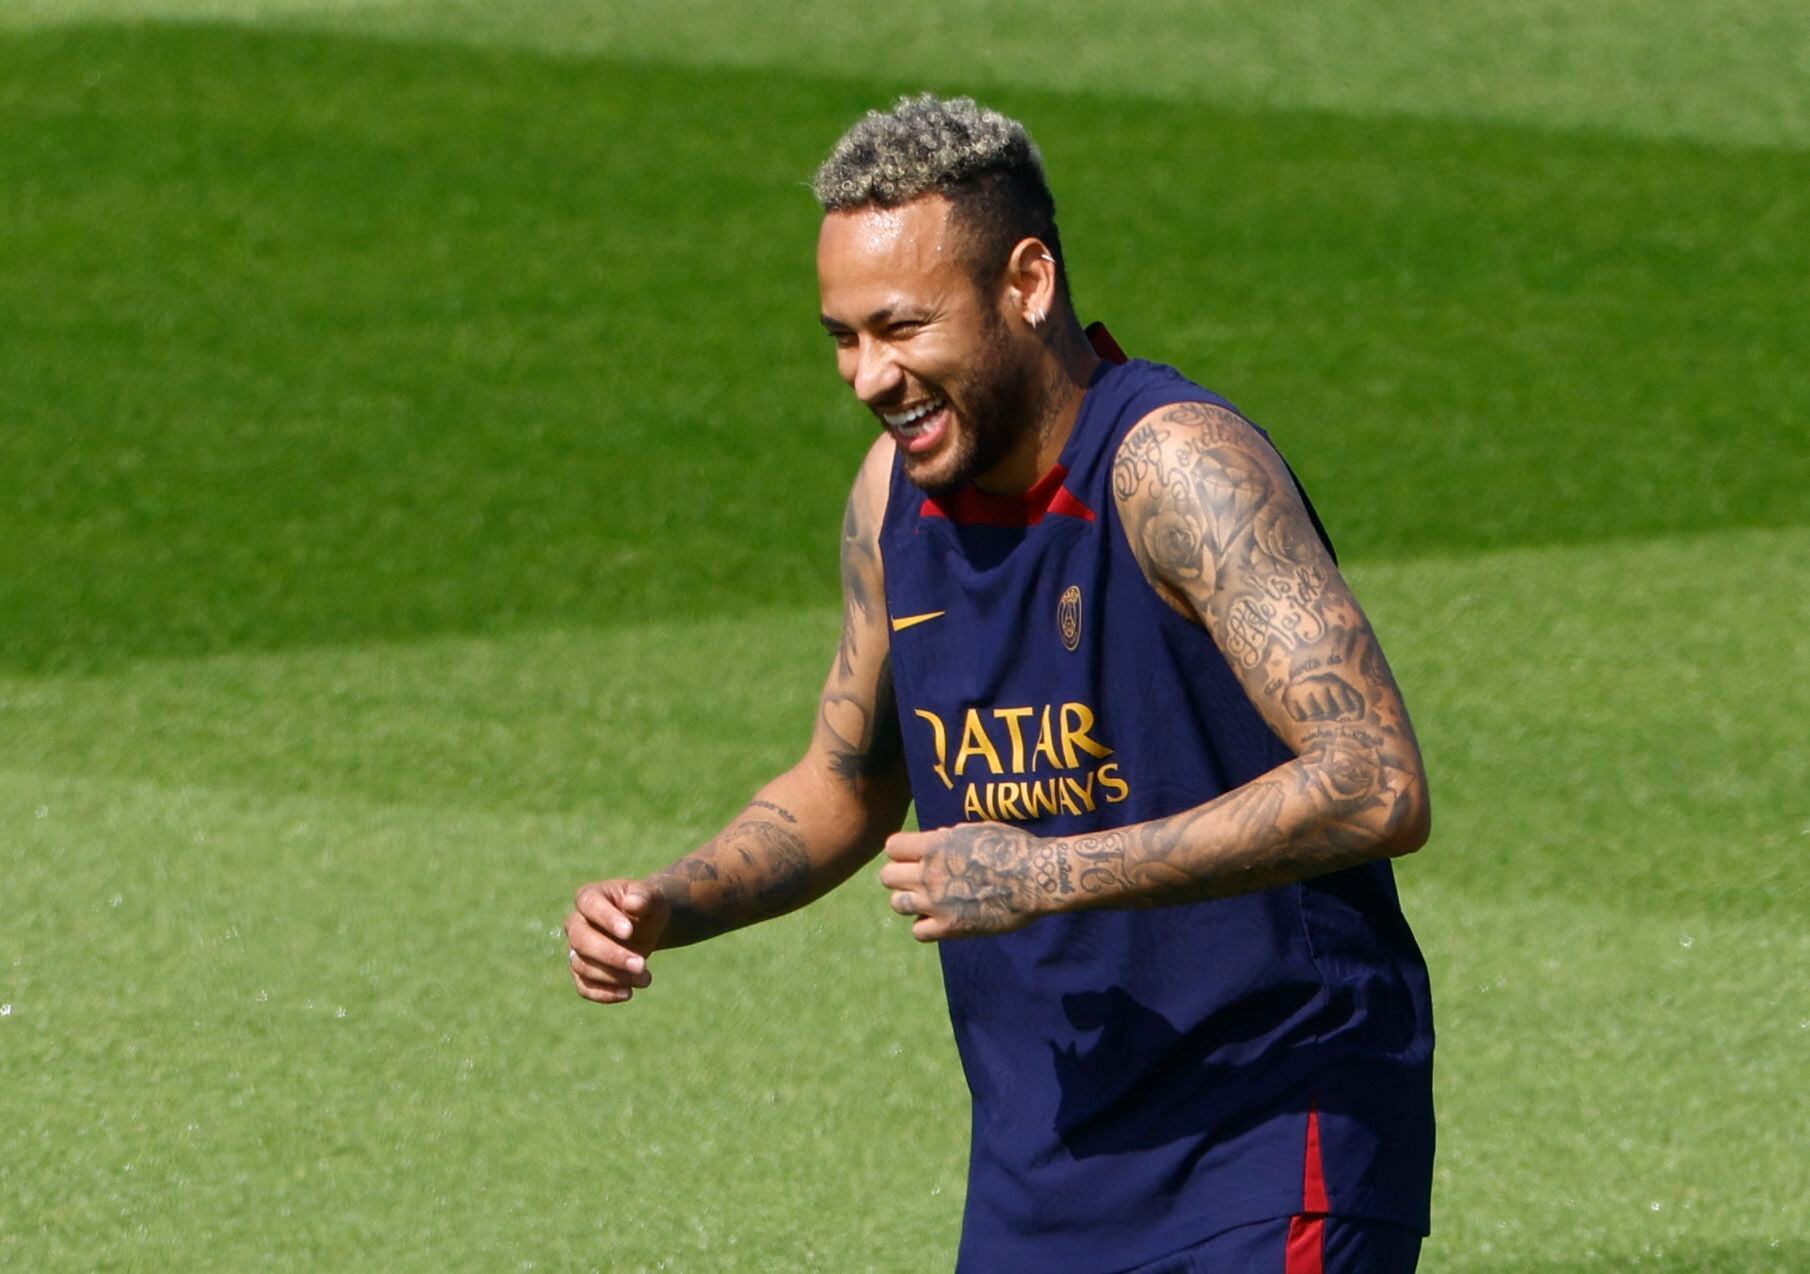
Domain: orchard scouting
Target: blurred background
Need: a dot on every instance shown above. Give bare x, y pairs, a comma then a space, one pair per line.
420, 473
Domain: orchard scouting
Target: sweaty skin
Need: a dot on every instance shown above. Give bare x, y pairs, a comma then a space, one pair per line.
805, 832
1218, 529
910, 325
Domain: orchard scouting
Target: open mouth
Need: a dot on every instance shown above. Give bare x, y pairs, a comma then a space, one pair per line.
921, 427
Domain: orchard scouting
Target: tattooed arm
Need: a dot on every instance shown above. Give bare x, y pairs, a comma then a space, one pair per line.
805, 832
1215, 521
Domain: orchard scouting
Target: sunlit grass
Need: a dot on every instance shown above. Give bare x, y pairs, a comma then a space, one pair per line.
422, 473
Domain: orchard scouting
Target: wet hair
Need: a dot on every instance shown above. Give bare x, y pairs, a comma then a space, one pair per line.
983, 162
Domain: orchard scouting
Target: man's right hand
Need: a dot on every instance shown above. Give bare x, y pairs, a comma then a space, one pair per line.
615, 926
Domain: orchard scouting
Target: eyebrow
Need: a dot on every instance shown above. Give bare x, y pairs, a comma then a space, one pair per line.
879, 318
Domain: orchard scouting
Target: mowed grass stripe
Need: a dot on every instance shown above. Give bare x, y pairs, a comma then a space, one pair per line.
663, 724
1543, 63
1595, 723
315, 340
299, 1033
306, 1034
1612, 722
1616, 1088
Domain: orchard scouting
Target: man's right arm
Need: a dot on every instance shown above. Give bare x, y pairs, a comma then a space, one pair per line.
805, 832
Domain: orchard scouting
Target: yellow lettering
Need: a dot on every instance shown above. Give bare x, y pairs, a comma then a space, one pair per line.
976, 743
1084, 792
1040, 797
1046, 743
1068, 802
940, 741
1008, 801
1077, 720
1110, 781
1012, 716
971, 806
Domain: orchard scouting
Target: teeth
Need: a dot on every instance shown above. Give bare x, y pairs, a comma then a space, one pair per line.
904, 420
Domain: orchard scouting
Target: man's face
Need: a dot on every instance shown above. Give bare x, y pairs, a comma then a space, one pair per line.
928, 352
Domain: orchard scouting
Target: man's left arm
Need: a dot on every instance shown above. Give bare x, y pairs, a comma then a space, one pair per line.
1216, 522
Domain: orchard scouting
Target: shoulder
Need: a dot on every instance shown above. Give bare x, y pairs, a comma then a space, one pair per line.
1186, 440
1202, 494
867, 497
867, 501
875, 475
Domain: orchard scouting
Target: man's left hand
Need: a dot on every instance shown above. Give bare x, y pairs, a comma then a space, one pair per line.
973, 879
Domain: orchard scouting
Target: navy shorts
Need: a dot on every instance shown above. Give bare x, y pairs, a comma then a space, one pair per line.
1298, 1245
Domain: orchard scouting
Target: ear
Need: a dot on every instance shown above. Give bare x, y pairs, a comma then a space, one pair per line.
1031, 282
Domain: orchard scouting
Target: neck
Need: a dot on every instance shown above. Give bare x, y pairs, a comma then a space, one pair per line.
1065, 363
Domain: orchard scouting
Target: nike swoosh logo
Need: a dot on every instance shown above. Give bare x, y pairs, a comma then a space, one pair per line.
910, 621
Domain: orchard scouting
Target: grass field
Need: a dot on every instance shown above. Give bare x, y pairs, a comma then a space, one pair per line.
421, 479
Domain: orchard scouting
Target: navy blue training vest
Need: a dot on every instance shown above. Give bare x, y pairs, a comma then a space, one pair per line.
1141, 1080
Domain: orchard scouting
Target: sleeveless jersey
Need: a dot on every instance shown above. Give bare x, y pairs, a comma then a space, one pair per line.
1144, 1079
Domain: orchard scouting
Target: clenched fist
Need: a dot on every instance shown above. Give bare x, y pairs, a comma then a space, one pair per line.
973, 879
614, 927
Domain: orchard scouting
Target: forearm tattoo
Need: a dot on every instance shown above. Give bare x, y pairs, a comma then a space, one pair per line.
1215, 521
752, 870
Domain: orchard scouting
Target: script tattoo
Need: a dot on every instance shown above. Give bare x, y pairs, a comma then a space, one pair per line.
772, 808
1218, 526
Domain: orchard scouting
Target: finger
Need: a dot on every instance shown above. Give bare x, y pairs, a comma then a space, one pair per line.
929, 930
600, 974
608, 975
907, 846
592, 979
902, 875
597, 908
906, 904
594, 948
636, 902
602, 994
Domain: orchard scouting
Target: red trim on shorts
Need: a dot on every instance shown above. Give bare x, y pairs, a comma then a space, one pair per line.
1313, 1183
1306, 1251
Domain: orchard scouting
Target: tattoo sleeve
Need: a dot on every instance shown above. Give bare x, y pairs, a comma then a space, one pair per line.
813, 826
1215, 521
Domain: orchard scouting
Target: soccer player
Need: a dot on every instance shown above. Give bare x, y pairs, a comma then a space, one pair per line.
1092, 627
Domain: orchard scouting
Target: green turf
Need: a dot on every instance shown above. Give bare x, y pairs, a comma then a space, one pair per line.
451, 333
217, 856
422, 474
1734, 72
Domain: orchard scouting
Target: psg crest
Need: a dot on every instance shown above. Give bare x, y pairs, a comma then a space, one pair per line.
1068, 617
